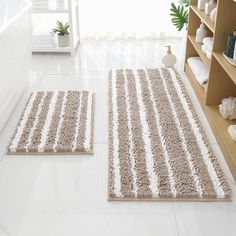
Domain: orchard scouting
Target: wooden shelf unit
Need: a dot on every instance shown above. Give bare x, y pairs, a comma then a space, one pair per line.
204, 18
222, 75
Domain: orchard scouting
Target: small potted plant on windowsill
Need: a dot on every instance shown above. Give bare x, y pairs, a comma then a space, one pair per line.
62, 31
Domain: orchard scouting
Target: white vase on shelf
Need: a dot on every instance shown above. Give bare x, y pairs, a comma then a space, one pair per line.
201, 4
232, 132
234, 56
213, 15
201, 33
209, 7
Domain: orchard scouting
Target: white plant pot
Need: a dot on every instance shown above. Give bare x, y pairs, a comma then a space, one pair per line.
63, 40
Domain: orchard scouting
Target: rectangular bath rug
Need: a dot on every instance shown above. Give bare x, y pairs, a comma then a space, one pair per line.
55, 122
157, 147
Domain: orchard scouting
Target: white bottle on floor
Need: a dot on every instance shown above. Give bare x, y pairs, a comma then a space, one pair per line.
201, 33
169, 59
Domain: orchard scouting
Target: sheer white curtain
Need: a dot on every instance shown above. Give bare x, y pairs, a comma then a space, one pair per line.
125, 19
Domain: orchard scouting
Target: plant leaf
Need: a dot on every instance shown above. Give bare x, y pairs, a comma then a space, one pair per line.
61, 28
184, 3
179, 16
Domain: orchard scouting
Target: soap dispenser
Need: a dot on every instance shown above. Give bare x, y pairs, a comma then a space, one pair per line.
201, 33
169, 59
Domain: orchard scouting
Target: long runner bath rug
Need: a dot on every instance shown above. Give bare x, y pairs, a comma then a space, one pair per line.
157, 147
55, 122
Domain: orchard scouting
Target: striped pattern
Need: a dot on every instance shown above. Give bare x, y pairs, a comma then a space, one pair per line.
55, 122
157, 147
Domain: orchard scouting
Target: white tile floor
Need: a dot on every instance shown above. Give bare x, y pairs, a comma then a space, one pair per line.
66, 195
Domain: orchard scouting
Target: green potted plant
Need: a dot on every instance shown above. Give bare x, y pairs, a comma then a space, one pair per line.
62, 31
179, 14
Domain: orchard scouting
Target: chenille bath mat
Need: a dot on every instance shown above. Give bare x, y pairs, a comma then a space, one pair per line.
157, 147
55, 122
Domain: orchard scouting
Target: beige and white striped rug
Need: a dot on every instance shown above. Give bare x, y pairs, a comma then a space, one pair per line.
157, 147
55, 122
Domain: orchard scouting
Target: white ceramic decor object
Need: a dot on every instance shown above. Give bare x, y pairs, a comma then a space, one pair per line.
232, 132
213, 15
234, 57
231, 61
227, 108
63, 40
209, 7
169, 59
201, 4
201, 33
15, 54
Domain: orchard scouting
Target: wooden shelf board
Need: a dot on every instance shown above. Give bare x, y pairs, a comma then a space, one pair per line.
220, 128
200, 91
229, 69
204, 18
198, 48
217, 123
